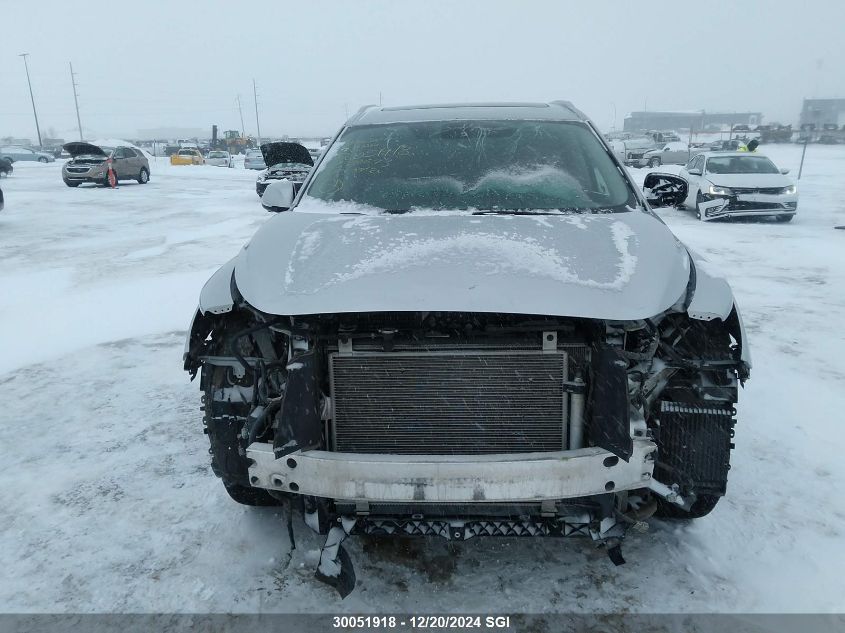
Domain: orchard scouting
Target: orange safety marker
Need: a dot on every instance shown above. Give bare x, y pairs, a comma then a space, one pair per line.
111, 177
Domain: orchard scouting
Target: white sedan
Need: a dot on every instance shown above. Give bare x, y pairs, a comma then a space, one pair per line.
735, 184
219, 158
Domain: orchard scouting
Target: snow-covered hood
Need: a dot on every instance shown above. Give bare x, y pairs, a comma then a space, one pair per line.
276, 153
81, 148
749, 180
614, 266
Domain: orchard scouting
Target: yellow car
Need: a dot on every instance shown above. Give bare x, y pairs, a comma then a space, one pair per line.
187, 157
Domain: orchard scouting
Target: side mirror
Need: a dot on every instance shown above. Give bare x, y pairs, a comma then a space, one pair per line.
665, 149
784, 171
694, 172
278, 196
665, 190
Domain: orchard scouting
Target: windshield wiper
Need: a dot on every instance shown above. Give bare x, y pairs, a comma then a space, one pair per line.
526, 212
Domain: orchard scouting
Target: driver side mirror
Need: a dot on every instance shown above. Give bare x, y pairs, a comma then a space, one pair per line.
694, 172
278, 196
665, 190
784, 171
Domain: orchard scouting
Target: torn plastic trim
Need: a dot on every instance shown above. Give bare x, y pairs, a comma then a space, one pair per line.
710, 297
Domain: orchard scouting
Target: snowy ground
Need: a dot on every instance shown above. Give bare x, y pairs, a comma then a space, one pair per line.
108, 502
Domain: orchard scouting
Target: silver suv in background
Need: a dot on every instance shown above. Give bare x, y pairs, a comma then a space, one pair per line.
90, 163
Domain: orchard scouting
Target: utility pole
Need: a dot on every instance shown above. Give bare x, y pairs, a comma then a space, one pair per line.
257, 124
243, 129
75, 98
37, 128
379, 98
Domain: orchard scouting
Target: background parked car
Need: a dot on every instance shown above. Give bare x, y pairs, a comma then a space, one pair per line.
288, 161
2, 202
90, 163
254, 160
675, 153
15, 152
220, 158
187, 156
6, 166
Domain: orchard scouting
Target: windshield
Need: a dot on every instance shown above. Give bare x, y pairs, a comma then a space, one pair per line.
217, 154
741, 165
186, 152
481, 165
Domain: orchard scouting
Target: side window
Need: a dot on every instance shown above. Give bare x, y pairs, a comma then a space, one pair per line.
128, 152
699, 164
119, 153
691, 163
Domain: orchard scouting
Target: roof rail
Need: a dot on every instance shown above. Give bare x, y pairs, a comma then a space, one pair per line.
568, 104
360, 113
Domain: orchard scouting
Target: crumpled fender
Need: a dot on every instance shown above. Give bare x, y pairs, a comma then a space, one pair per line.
216, 294
710, 297
215, 298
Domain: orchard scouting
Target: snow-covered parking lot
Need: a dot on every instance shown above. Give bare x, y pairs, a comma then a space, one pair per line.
109, 504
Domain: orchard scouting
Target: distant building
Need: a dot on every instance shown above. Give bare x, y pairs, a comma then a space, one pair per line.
821, 112
697, 121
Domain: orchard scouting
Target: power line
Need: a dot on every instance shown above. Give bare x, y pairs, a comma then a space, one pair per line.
75, 98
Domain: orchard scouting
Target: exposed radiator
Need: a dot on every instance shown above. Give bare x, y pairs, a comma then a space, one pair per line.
448, 403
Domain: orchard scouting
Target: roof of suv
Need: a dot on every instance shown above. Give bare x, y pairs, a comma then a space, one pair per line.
554, 111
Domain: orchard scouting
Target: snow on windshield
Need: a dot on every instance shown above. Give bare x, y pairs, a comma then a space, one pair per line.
488, 165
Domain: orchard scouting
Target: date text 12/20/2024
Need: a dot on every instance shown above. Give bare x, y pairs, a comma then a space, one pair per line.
353, 622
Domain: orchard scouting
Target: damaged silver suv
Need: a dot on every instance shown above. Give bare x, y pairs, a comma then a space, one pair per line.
468, 322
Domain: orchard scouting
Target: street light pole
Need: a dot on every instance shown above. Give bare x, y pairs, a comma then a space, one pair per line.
32, 97
257, 124
240, 110
75, 99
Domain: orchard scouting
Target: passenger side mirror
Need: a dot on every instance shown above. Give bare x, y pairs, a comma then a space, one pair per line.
784, 171
278, 196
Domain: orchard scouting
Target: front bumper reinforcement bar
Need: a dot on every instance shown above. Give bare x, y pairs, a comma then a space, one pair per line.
451, 478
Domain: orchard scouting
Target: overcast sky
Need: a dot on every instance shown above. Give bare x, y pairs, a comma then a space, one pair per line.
163, 63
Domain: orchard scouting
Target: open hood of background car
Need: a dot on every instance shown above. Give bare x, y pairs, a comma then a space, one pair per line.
275, 153
622, 266
81, 148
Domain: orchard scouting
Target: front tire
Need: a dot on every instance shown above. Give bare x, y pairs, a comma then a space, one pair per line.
702, 506
224, 419
42, 160
654, 162
143, 176
71, 184
249, 496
